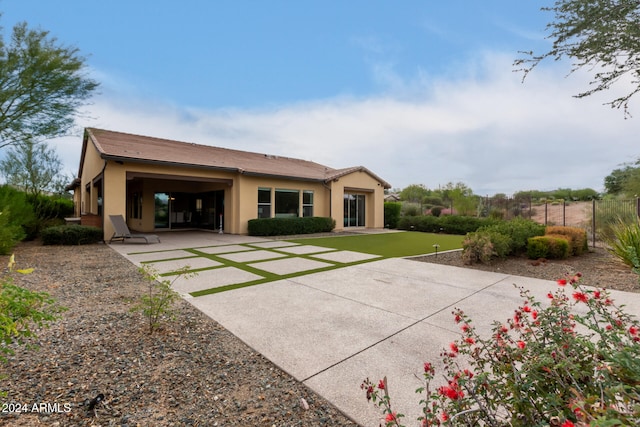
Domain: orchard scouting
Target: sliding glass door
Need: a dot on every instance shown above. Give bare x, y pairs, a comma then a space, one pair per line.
354, 211
162, 210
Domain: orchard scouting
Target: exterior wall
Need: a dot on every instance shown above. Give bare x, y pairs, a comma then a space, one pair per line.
247, 197
361, 183
91, 170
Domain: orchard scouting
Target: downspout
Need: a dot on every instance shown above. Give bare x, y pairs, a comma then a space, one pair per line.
103, 197
324, 184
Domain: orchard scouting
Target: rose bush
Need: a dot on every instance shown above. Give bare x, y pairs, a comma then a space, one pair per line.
548, 365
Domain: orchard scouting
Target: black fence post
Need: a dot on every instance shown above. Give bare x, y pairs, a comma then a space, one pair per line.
593, 223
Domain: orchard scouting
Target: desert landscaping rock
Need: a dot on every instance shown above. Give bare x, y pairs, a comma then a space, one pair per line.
192, 372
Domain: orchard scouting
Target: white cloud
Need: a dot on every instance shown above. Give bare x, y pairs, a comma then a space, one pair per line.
482, 127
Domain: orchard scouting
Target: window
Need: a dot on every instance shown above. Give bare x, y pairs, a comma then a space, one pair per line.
264, 203
307, 203
287, 203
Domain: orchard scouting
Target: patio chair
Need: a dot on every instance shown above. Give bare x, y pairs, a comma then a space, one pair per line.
122, 231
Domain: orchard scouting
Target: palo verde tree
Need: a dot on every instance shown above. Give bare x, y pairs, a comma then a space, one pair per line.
42, 85
602, 37
32, 168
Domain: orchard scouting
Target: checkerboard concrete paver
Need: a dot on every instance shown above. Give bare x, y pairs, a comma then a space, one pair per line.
223, 249
214, 278
157, 256
252, 256
305, 249
289, 265
163, 267
345, 256
274, 244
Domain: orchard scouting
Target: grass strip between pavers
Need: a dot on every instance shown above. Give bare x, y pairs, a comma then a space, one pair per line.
384, 245
267, 276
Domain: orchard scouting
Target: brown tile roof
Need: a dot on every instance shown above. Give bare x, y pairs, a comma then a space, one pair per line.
145, 149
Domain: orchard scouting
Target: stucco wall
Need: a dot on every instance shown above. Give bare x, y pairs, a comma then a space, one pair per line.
360, 183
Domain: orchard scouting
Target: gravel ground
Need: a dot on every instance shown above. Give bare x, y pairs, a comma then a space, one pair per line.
191, 373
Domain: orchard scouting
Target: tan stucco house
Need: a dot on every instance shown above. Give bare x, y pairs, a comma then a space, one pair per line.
158, 184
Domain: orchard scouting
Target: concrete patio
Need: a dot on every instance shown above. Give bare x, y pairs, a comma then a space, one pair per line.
332, 329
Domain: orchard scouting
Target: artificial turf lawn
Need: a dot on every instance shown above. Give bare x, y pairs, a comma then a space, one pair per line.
389, 245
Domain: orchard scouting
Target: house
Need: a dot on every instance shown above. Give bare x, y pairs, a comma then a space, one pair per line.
158, 184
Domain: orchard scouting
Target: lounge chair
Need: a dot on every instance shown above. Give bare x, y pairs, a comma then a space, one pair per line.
122, 231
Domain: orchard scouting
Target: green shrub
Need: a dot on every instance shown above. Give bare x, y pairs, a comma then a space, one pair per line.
552, 247
392, 214
436, 210
289, 226
426, 224
411, 209
577, 237
18, 210
159, 300
519, 230
458, 224
22, 312
449, 224
483, 246
71, 235
10, 234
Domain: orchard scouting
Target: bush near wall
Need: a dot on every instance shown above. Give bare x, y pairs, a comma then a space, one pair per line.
392, 214
71, 235
548, 246
288, 226
576, 236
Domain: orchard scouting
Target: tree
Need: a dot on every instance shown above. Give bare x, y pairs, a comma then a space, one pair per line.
33, 168
623, 180
42, 85
600, 36
414, 193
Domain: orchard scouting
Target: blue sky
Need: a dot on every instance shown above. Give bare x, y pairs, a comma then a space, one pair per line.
418, 91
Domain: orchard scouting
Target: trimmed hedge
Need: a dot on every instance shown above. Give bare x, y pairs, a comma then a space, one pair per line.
552, 247
71, 235
576, 236
449, 224
287, 226
392, 214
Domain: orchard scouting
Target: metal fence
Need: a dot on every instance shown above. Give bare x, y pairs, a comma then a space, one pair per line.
595, 216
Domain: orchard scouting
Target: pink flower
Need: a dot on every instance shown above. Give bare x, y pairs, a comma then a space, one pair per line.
454, 347
534, 314
550, 295
567, 424
526, 309
470, 340
428, 368
561, 282
521, 344
381, 385
445, 417
465, 328
633, 330
391, 417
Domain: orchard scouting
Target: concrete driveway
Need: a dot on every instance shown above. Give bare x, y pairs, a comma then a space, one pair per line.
332, 329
